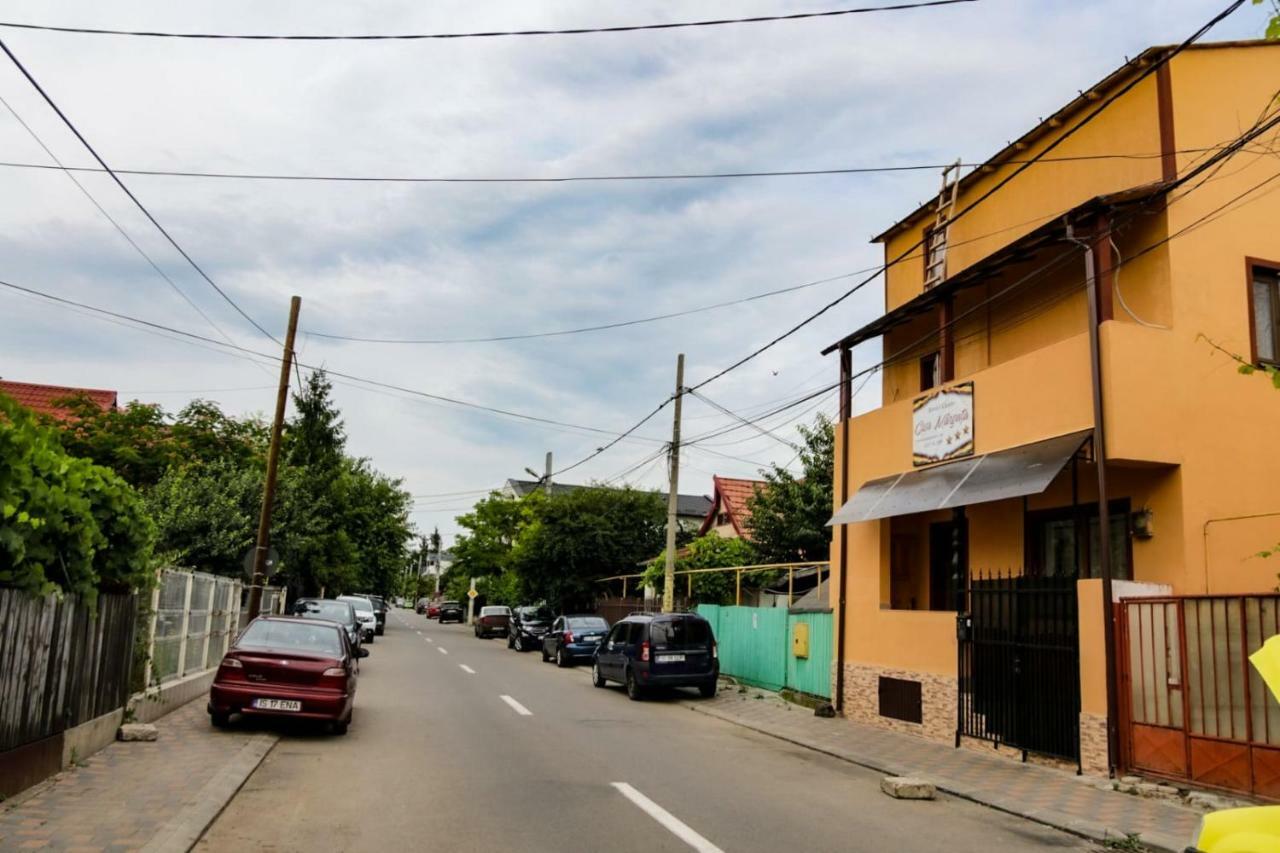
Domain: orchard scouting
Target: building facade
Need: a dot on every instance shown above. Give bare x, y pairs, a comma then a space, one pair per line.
1042, 318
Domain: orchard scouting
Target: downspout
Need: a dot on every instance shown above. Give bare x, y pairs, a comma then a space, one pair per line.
846, 411
1100, 465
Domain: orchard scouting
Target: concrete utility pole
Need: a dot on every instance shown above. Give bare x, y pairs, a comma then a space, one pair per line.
273, 458
673, 497
546, 478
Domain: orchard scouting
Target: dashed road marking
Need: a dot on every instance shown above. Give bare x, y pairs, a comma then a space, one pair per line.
677, 827
516, 706
442, 650
466, 668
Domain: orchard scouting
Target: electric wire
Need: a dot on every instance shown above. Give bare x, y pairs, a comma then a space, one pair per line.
628, 28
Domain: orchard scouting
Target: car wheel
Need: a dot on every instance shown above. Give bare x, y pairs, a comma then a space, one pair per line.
520, 644
596, 678
633, 689
708, 688
545, 657
340, 726
220, 721
562, 660
511, 642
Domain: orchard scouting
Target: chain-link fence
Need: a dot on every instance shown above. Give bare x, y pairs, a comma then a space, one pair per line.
194, 616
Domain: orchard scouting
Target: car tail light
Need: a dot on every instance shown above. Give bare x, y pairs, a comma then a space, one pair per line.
335, 672
232, 663
644, 651
715, 651
568, 636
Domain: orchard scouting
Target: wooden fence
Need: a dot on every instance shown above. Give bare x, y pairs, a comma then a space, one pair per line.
62, 663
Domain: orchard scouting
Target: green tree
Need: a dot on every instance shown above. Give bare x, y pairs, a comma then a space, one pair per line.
1273, 24
65, 523
707, 552
206, 515
578, 536
492, 528
789, 515
376, 518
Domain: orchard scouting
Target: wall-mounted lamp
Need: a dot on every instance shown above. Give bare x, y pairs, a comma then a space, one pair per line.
1141, 522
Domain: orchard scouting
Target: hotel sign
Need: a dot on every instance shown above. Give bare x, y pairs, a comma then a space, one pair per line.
942, 425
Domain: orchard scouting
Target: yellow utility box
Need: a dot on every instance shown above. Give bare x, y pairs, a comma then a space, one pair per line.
800, 640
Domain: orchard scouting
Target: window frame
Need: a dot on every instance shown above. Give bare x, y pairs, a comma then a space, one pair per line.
1251, 268
931, 365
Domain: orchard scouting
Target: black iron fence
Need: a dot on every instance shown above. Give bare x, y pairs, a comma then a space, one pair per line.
1019, 649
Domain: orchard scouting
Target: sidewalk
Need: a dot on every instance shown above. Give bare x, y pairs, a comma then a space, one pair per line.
1082, 805
138, 796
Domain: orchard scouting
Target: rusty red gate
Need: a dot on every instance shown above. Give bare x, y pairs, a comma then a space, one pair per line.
1193, 707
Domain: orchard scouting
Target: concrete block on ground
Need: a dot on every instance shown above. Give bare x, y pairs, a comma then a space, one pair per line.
137, 731
908, 788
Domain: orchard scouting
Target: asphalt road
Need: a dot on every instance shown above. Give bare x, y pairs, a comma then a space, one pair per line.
461, 744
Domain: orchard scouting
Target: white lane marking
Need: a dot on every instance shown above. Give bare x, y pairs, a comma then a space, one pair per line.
419, 633
429, 640
516, 706
667, 819
467, 669
442, 650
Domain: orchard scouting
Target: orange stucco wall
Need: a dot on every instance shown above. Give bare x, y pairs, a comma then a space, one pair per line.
1188, 437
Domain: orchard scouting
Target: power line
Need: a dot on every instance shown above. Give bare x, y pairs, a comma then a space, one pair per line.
629, 28
569, 179
739, 417
103, 163
999, 185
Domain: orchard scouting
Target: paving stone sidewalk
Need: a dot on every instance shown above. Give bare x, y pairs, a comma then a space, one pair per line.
1053, 797
138, 796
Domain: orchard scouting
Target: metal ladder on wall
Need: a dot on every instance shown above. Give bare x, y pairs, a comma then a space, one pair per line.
935, 241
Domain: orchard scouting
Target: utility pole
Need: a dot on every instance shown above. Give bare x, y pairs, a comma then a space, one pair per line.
273, 458
673, 498
546, 478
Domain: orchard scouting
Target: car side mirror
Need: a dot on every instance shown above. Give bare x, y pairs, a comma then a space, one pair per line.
362, 652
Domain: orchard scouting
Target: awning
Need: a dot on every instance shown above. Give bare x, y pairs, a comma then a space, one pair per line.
1024, 470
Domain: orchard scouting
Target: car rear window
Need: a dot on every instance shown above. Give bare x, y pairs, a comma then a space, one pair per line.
537, 614
588, 623
680, 633
361, 604
296, 636
494, 611
339, 611
449, 604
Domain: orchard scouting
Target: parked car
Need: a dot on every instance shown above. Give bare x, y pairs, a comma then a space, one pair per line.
379, 612
364, 612
433, 610
528, 624
451, 611
573, 638
334, 611
421, 606
287, 666
658, 650
494, 619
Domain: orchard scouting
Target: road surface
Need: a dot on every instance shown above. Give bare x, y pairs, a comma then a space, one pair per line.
461, 744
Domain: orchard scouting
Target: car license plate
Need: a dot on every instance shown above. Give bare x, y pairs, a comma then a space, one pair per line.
670, 658
594, 638
277, 704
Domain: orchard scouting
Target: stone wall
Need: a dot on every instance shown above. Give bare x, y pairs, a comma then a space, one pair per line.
1093, 744
937, 699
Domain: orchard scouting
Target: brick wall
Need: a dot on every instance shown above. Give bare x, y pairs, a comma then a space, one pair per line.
937, 699
1093, 744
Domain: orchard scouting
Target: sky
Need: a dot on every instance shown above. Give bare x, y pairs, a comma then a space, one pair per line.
431, 260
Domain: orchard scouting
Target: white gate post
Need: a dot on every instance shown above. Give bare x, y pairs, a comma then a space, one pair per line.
186, 624
151, 630
208, 625
233, 615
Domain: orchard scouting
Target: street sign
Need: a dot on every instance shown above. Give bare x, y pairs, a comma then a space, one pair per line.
247, 562
471, 593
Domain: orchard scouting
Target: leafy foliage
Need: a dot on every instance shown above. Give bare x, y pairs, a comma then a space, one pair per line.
65, 522
1273, 24
493, 526
706, 552
207, 515
789, 516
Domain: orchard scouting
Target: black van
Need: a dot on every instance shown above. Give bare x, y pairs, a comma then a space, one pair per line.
658, 650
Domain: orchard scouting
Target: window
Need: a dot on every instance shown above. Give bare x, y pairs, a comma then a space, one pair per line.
1051, 543
1264, 304
722, 518
931, 371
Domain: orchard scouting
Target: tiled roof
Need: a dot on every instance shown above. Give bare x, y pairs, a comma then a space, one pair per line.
731, 498
40, 398
687, 506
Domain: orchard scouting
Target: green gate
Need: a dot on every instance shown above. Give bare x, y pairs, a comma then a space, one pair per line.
755, 645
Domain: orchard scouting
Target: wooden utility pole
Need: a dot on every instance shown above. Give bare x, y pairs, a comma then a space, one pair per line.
673, 498
273, 459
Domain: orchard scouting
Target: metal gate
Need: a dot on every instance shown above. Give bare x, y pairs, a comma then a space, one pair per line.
1193, 706
1020, 664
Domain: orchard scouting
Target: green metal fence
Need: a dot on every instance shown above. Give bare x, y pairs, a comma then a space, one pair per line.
755, 647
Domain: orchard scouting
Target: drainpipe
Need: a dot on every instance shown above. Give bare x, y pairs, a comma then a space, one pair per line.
1100, 464
846, 411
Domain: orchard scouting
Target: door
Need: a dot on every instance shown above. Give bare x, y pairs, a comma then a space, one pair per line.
551, 642
610, 657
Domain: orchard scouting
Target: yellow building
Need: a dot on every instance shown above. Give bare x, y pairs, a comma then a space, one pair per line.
1136, 251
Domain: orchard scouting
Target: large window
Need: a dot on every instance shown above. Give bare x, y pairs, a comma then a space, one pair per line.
1051, 542
1264, 304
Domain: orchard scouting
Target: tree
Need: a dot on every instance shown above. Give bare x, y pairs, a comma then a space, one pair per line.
790, 514
492, 526
206, 515
65, 523
580, 535
376, 518
1273, 25
706, 552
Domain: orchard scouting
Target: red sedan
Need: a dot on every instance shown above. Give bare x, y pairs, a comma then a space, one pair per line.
286, 667
433, 610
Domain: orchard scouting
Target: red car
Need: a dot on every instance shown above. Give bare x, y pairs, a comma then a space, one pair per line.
433, 610
287, 667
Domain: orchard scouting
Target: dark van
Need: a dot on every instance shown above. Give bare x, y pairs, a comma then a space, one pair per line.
658, 650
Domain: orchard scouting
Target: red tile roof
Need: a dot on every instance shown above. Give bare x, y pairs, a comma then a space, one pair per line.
730, 497
40, 398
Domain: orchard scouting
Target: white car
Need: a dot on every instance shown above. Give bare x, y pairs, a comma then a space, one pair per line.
364, 615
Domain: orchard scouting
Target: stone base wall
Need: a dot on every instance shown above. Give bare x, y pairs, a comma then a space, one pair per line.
1093, 744
154, 703
937, 700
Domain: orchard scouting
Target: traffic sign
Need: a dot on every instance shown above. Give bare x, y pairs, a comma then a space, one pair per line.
471, 593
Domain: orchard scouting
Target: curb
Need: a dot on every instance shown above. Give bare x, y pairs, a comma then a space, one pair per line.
1091, 830
181, 832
